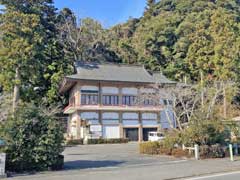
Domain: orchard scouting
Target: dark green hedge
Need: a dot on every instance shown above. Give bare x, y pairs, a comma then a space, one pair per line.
107, 141
214, 151
73, 142
154, 148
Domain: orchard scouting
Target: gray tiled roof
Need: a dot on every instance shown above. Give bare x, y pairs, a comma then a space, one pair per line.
116, 72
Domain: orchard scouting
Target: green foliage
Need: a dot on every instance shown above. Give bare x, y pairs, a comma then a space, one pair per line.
214, 151
183, 38
205, 132
29, 42
107, 141
73, 142
34, 139
149, 147
159, 148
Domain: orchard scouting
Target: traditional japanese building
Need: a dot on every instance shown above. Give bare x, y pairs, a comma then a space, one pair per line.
108, 98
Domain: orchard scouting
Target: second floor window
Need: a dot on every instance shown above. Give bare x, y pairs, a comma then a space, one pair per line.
149, 102
129, 100
89, 97
110, 100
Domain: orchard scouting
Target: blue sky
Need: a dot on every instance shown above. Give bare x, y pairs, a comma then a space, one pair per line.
108, 12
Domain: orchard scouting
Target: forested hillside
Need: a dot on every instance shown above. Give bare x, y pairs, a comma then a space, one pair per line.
183, 38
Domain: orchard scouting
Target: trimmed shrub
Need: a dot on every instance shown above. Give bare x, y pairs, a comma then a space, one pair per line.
107, 141
73, 142
154, 148
178, 152
58, 165
165, 151
214, 151
34, 139
149, 148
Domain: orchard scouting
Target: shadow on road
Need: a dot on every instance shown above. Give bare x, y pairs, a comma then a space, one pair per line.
86, 164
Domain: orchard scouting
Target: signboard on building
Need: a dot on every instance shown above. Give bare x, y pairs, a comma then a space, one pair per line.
96, 128
96, 131
2, 164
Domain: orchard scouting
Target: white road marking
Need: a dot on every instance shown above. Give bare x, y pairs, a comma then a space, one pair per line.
215, 175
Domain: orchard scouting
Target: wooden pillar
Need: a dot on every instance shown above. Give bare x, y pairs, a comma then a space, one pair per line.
77, 95
140, 128
99, 94
78, 124
120, 95
159, 121
100, 120
121, 125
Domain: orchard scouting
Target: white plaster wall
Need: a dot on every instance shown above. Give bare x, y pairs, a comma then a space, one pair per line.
130, 123
92, 117
128, 116
147, 90
149, 119
149, 116
110, 121
89, 115
110, 115
130, 91
90, 88
150, 123
110, 90
111, 132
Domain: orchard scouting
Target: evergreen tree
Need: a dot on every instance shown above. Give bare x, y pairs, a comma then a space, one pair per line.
30, 52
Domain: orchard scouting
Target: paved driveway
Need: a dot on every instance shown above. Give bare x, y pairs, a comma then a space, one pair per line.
110, 156
122, 161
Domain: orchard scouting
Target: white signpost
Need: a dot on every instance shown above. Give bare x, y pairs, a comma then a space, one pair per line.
2, 165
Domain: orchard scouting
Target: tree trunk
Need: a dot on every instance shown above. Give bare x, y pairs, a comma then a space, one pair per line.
224, 103
16, 91
202, 91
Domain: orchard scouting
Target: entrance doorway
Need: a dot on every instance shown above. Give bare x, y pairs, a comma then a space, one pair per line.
146, 131
131, 134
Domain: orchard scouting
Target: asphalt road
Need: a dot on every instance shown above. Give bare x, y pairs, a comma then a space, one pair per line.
122, 161
222, 176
